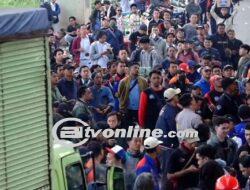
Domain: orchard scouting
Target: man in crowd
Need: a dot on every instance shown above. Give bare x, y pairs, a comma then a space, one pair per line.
203, 83
129, 93
151, 101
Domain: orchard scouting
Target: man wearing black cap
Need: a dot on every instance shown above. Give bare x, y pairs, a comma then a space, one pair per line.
230, 100
135, 36
67, 85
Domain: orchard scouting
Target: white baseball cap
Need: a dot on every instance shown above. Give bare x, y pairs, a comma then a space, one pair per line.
151, 142
171, 92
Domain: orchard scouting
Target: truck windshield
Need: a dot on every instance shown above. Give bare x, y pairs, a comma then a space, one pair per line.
75, 178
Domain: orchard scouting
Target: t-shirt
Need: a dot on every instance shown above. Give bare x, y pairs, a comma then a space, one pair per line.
85, 44
190, 31
134, 96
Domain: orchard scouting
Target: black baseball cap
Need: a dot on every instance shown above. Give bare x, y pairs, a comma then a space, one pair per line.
226, 82
69, 67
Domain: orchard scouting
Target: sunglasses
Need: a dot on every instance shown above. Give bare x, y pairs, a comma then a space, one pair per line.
208, 70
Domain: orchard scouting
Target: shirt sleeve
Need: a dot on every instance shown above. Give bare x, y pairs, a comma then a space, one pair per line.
142, 109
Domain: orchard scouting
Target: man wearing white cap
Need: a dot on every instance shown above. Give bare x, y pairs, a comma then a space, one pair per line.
166, 120
150, 163
182, 167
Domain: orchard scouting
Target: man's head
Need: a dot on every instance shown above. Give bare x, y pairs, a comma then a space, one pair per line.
224, 11
98, 4
155, 78
84, 30
144, 43
85, 94
231, 34
244, 50
96, 148
200, 30
72, 20
121, 68
230, 86
173, 68
221, 126
171, 51
119, 11
116, 156
244, 112
206, 72
170, 37
68, 72
105, 22
112, 67
143, 29
60, 70
155, 31
190, 139
167, 15
134, 144
216, 81
97, 78
133, 8
113, 23
172, 95
106, 4
221, 29
58, 55
187, 101
208, 42
204, 153
216, 70
134, 69
247, 133
54, 79
151, 145
180, 33
102, 36
113, 120
228, 71
84, 72
123, 55
156, 14
206, 60
194, 19
245, 165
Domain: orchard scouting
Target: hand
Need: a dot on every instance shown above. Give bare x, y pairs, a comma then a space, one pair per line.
104, 53
106, 110
192, 169
98, 110
80, 50
212, 107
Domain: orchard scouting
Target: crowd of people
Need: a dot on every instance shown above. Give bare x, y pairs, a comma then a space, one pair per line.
129, 67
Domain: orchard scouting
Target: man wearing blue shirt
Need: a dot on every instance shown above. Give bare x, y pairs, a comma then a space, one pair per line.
203, 83
103, 101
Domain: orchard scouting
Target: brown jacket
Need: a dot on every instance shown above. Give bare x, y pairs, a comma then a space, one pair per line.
123, 91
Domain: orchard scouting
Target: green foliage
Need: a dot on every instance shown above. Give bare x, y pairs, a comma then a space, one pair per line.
19, 3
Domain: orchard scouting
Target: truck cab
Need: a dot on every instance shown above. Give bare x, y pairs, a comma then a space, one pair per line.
67, 171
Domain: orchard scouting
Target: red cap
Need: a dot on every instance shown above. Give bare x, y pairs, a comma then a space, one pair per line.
184, 67
227, 182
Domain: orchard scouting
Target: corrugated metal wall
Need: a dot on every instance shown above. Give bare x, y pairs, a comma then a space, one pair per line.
24, 152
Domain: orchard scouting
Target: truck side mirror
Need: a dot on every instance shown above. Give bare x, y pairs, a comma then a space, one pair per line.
115, 178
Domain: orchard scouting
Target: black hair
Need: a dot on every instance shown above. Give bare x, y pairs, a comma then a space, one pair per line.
186, 99
95, 147
157, 72
221, 24
244, 112
144, 40
152, 150
72, 17
114, 113
101, 34
111, 63
246, 47
133, 5
169, 34
94, 74
92, 69
218, 120
57, 50
203, 132
247, 126
206, 150
245, 161
216, 66
81, 91
97, 2
194, 87
82, 67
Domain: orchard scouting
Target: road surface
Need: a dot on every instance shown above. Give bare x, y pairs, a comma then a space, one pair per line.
242, 22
